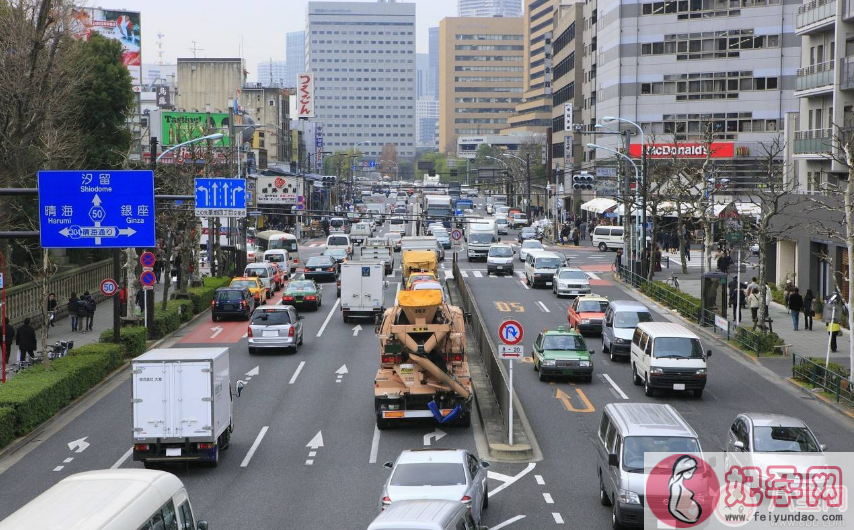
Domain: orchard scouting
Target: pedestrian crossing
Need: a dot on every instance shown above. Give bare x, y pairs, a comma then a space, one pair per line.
483, 274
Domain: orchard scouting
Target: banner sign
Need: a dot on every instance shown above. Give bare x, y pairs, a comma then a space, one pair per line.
121, 25
687, 150
277, 190
180, 127
305, 96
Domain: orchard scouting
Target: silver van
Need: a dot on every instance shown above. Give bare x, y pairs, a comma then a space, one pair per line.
425, 515
621, 319
626, 432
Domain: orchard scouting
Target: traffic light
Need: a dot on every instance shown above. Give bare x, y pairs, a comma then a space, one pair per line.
328, 182
453, 172
583, 181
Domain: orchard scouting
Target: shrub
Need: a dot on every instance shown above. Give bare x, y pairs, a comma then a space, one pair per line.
165, 320
113, 354
201, 296
132, 338
7, 431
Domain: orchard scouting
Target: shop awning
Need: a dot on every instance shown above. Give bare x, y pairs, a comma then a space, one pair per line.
598, 205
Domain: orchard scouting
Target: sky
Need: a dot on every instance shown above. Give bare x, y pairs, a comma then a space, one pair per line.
257, 27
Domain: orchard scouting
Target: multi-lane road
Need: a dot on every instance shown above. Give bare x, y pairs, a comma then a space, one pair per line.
306, 454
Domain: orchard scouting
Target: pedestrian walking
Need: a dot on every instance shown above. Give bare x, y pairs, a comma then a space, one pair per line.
564, 233
158, 264
51, 308
754, 302
576, 237
751, 286
9, 339
140, 301
796, 304
737, 301
618, 260
583, 229
809, 309
89, 307
787, 291
26, 341
73, 308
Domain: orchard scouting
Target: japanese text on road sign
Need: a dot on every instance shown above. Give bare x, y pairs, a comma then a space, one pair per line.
513, 353
220, 197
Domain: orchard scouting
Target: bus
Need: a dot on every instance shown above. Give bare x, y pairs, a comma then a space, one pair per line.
110, 499
277, 240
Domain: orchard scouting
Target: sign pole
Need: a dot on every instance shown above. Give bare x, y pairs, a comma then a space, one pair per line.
829, 335
145, 308
117, 308
738, 294
510, 332
510, 419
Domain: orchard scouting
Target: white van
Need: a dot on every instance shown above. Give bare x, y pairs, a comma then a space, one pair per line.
608, 237
337, 224
265, 273
339, 241
540, 267
668, 356
279, 256
425, 514
110, 499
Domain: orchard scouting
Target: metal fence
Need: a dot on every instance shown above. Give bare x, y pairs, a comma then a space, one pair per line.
806, 370
484, 346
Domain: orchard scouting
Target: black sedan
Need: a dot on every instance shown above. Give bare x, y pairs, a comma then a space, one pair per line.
529, 232
338, 254
232, 302
321, 268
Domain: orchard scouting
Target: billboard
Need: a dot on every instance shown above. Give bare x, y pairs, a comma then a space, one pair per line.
686, 150
179, 127
120, 25
277, 190
305, 96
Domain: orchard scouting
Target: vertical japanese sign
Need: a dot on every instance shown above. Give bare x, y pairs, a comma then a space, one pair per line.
318, 144
568, 130
305, 96
120, 25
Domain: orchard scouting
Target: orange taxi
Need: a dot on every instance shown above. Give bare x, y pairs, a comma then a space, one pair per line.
587, 313
256, 288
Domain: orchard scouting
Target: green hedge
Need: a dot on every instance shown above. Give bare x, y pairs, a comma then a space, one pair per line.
7, 431
202, 296
133, 338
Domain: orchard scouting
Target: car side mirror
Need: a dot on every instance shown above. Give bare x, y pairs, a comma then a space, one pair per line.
484, 465
467, 317
739, 445
300, 317
202, 525
388, 465
240, 386
613, 460
591, 352
708, 353
823, 447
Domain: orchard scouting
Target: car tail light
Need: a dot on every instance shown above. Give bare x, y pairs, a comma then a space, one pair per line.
140, 447
245, 304
331, 269
392, 359
296, 260
213, 303
291, 332
249, 331
386, 502
311, 298
287, 299
206, 445
467, 501
458, 358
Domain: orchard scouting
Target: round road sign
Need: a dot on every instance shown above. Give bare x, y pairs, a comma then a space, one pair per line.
510, 332
109, 287
147, 259
147, 278
456, 234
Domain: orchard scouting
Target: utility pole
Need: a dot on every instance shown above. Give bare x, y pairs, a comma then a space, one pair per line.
627, 192
528, 178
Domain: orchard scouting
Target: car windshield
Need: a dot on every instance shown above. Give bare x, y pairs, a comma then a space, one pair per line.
572, 275
270, 317
440, 232
337, 223
501, 252
532, 244
336, 253
275, 258
631, 319
677, 348
422, 286
337, 241
528, 231
547, 263
501, 221
255, 271
563, 342
784, 440
244, 283
634, 448
592, 306
397, 221
229, 295
301, 286
428, 474
318, 261
481, 239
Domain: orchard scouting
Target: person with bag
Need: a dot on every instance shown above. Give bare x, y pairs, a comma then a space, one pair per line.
73, 305
26, 340
737, 305
754, 301
796, 304
86, 310
809, 310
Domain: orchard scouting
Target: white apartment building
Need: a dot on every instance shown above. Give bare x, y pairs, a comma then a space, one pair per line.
363, 58
426, 123
489, 8
272, 73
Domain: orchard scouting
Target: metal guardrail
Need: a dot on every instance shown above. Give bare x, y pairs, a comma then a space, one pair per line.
808, 371
485, 347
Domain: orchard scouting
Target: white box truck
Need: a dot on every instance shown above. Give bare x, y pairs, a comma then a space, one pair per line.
378, 250
479, 237
182, 405
363, 288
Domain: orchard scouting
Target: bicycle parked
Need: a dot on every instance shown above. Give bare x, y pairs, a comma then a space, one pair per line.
56, 350
673, 281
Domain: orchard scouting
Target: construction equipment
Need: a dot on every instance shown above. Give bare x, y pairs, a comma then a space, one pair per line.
424, 370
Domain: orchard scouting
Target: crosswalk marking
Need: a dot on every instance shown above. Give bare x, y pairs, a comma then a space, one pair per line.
477, 274
464, 274
520, 274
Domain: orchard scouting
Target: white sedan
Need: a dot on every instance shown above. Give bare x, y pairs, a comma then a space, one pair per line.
528, 245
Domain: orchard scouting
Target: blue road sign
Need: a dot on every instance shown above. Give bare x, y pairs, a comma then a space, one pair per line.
147, 278
96, 209
220, 197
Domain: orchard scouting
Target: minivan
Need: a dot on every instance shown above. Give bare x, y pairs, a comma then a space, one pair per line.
339, 241
621, 319
425, 515
668, 356
265, 273
540, 267
626, 432
279, 256
608, 237
337, 224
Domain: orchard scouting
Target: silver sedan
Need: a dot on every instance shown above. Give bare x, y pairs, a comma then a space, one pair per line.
275, 327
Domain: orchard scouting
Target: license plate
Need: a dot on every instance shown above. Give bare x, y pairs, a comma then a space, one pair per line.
299, 299
270, 334
500, 267
228, 307
678, 386
173, 451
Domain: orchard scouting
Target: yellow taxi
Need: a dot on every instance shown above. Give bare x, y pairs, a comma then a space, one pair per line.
419, 277
256, 288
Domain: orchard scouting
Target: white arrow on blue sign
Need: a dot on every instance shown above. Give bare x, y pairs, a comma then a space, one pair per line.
220, 197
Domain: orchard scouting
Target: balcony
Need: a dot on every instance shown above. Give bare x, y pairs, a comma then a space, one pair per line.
814, 16
846, 73
817, 78
815, 141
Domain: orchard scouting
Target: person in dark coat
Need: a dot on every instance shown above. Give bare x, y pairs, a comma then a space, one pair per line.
737, 305
9, 338
26, 340
51, 308
809, 309
83, 314
73, 304
796, 304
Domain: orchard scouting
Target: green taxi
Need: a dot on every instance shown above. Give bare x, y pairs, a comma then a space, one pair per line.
302, 293
562, 352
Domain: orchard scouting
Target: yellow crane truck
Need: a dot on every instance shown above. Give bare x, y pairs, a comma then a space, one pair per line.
424, 371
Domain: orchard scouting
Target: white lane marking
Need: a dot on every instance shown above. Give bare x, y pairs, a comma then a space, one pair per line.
312, 453
593, 275
507, 522
539, 479
543, 306
328, 317
520, 274
68, 460
58, 468
557, 517
498, 476
245, 335
523, 284
548, 498
477, 274
375, 446
296, 373
617, 388
309, 462
254, 447
464, 274
510, 482
121, 460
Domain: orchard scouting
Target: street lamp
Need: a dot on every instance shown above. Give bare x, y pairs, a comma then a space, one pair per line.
635, 167
506, 167
527, 162
610, 119
216, 136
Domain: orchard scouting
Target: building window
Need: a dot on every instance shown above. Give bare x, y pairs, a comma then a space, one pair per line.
710, 44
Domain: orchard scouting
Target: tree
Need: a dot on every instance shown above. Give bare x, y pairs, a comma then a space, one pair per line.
485, 150
388, 159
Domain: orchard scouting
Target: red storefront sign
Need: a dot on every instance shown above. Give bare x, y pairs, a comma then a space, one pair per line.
686, 150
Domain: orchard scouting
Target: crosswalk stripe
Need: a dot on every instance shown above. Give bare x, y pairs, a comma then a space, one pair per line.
464, 274
477, 274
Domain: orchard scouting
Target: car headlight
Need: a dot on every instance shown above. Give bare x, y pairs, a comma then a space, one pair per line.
585, 321
629, 497
548, 362
563, 285
656, 371
584, 364
619, 341
701, 372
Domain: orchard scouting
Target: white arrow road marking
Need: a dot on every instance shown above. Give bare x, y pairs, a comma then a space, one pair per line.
216, 331
253, 372
341, 371
437, 435
593, 275
510, 482
375, 446
329, 316
296, 373
508, 522
80, 445
317, 441
617, 388
254, 447
356, 329
121, 460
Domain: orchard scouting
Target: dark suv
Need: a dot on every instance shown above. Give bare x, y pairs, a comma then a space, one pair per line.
232, 301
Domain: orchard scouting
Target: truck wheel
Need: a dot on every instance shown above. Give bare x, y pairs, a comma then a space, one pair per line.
635, 377
251, 351
485, 498
225, 439
382, 423
603, 247
345, 316
647, 389
541, 376
215, 461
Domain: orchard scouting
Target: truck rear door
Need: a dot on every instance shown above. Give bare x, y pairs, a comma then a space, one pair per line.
171, 400
152, 384
372, 286
193, 399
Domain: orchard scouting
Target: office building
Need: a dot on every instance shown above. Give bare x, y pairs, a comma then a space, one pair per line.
422, 73
534, 113
433, 74
363, 57
480, 77
426, 122
489, 8
467, 146
294, 57
268, 106
272, 73
209, 83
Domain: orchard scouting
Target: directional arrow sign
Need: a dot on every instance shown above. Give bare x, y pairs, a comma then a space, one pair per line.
436, 435
80, 445
253, 372
220, 197
342, 370
216, 331
316, 442
356, 330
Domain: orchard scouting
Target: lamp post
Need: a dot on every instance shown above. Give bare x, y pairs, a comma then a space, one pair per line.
216, 136
635, 167
610, 119
527, 162
366, 142
506, 167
